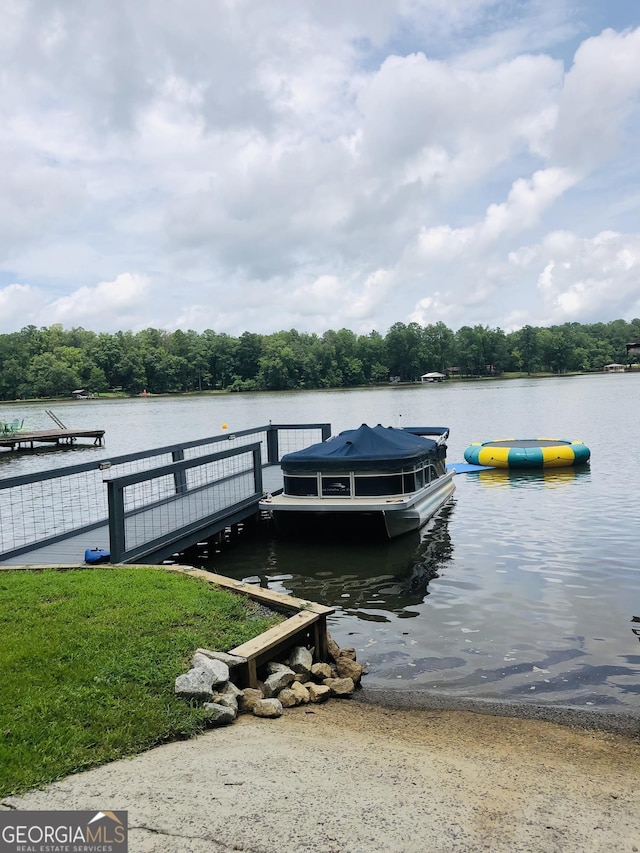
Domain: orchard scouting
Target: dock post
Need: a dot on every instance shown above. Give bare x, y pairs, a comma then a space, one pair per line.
115, 500
180, 477
273, 456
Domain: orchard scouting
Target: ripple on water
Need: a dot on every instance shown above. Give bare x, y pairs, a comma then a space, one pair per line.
539, 568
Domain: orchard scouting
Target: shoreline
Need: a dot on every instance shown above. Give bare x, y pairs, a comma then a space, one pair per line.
107, 396
623, 722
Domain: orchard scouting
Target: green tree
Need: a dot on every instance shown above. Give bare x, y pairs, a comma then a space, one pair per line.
279, 365
438, 347
248, 354
529, 347
50, 377
404, 351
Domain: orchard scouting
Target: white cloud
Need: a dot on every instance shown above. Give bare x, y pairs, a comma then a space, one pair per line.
420, 113
527, 201
262, 166
16, 302
599, 97
584, 280
101, 306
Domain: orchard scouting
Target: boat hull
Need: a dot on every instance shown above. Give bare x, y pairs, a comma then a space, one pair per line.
393, 516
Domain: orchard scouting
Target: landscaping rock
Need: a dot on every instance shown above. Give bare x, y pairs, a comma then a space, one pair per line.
301, 660
287, 698
218, 669
300, 692
196, 684
348, 668
229, 689
332, 648
280, 679
295, 682
248, 698
225, 657
275, 666
318, 693
271, 708
340, 686
219, 715
227, 701
320, 671
348, 653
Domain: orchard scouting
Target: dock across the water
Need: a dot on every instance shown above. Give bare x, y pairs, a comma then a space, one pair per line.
21, 440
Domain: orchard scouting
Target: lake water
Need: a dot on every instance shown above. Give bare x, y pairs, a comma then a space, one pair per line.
524, 587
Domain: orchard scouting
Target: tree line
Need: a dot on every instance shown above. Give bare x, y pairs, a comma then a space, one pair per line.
53, 361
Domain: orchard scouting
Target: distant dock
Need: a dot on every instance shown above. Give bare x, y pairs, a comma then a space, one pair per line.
28, 440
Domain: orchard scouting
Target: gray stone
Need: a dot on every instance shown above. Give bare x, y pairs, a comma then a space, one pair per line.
274, 666
219, 715
197, 683
249, 698
218, 669
225, 657
229, 689
226, 701
273, 684
268, 708
340, 686
301, 660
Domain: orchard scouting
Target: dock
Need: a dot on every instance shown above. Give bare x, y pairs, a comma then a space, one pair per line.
28, 440
143, 507
70, 549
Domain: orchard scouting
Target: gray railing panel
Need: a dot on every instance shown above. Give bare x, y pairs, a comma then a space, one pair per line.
51, 505
222, 481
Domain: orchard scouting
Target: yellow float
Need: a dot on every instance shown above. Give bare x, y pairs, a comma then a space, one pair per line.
528, 453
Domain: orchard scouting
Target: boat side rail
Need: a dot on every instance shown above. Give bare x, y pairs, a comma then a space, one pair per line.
351, 484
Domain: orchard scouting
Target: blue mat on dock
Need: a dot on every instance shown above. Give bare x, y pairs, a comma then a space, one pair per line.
462, 467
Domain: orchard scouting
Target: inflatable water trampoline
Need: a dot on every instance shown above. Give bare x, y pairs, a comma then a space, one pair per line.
528, 453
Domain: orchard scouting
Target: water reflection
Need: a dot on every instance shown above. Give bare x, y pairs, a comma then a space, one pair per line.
365, 579
547, 478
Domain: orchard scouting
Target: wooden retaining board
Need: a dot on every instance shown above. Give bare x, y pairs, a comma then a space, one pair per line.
307, 626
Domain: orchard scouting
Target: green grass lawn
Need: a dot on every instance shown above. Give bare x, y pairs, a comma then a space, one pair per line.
88, 660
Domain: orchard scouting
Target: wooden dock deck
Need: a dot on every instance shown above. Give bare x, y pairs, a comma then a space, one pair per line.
22, 440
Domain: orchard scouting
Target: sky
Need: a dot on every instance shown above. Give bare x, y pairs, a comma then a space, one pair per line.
242, 165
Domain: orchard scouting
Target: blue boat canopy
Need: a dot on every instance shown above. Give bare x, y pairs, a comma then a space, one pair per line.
369, 449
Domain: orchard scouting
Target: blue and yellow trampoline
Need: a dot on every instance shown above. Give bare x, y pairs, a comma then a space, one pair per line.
528, 453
